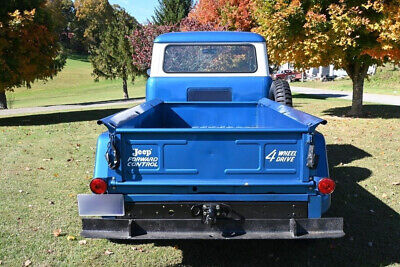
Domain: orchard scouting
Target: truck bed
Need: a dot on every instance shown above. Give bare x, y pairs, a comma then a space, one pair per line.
212, 147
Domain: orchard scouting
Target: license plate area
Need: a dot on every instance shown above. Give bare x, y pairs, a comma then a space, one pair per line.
101, 205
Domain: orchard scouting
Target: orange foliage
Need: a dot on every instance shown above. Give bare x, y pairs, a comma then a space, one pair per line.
310, 35
28, 51
231, 14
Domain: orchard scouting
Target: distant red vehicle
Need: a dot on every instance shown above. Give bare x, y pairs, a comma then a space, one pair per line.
288, 75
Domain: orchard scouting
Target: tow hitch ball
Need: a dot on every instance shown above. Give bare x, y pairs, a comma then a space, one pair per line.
210, 212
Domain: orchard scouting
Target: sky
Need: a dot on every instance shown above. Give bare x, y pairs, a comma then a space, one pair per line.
142, 10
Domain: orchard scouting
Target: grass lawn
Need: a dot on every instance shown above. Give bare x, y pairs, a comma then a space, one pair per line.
47, 159
385, 81
74, 84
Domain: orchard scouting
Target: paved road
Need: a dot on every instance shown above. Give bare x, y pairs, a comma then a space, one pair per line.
17, 111
374, 98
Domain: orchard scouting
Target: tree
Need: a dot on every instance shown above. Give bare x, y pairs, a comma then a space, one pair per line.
95, 15
171, 11
193, 25
142, 43
234, 15
29, 47
63, 13
352, 35
113, 57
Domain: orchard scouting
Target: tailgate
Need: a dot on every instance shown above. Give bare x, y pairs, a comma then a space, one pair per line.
215, 161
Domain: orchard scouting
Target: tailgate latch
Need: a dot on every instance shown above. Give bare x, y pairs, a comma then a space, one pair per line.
312, 158
112, 155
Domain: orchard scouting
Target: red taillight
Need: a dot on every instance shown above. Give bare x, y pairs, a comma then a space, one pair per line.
98, 186
326, 186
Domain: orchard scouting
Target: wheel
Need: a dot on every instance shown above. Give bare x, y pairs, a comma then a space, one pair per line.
280, 92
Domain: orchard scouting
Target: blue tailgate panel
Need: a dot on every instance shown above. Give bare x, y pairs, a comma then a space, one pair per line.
212, 158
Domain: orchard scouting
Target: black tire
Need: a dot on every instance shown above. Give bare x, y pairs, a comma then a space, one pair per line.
280, 92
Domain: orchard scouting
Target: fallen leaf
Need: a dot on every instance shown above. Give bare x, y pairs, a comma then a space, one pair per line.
384, 195
51, 202
27, 169
49, 251
40, 168
27, 263
108, 252
396, 183
141, 250
30, 206
55, 175
71, 237
82, 242
57, 232
20, 191
134, 248
69, 160
48, 159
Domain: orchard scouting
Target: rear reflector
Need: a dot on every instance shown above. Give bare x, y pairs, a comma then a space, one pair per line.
98, 186
326, 186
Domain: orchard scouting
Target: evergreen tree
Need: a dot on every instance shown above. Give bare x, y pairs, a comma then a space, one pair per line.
171, 11
112, 58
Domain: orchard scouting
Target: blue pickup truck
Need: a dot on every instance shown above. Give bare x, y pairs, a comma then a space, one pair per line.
215, 152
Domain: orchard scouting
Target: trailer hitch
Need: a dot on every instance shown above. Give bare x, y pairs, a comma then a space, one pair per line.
210, 212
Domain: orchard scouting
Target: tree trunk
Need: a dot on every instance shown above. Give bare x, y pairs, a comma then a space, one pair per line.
357, 102
3, 100
125, 88
357, 73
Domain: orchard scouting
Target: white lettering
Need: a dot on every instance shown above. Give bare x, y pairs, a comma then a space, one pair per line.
283, 156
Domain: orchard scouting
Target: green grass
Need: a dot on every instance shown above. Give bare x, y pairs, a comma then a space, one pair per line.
49, 157
385, 81
74, 84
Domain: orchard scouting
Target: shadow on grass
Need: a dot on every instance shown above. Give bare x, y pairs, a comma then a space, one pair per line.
318, 96
121, 101
372, 230
80, 57
370, 111
61, 117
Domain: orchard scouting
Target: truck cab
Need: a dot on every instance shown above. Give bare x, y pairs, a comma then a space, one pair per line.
209, 66
215, 152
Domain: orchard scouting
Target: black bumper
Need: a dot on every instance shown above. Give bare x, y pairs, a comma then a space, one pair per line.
142, 229
232, 220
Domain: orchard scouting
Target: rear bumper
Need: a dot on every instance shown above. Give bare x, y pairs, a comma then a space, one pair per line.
203, 220
142, 229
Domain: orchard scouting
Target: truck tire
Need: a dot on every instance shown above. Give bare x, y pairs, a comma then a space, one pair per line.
280, 92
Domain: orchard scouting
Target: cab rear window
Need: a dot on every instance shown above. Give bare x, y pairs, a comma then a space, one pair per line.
210, 59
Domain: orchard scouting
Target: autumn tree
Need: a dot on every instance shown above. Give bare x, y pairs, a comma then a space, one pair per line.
171, 12
95, 15
29, 45
352, 35
193, 25
235, 15
142, 43
112, 58
63, 14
